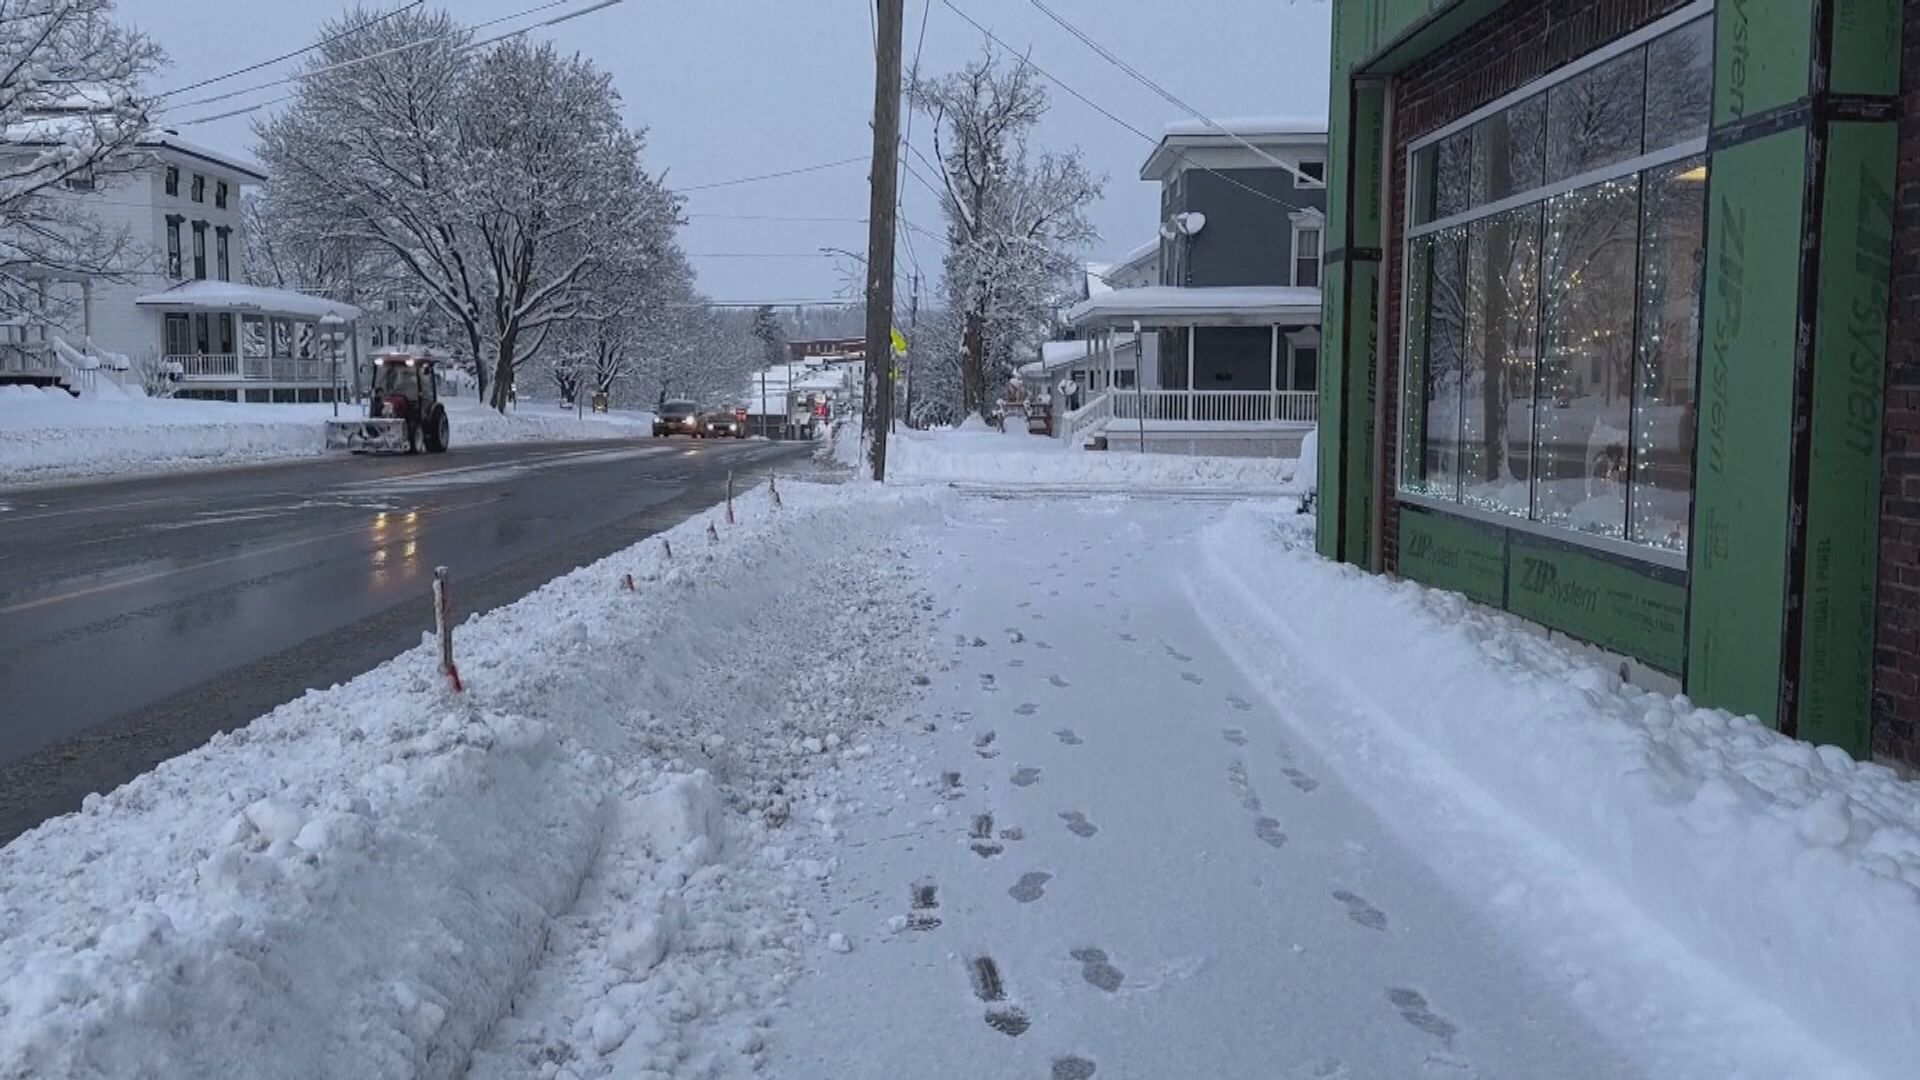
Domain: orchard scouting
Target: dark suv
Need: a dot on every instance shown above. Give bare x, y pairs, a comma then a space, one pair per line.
677, 418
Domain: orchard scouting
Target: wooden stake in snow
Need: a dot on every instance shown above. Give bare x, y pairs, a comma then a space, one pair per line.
443, 626
713, 534
668, 545
773, 486
626, 582
730, 497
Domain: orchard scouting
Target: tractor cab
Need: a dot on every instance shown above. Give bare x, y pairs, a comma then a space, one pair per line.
404, 412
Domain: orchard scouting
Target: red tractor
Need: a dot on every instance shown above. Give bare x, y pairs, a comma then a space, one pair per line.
404, 412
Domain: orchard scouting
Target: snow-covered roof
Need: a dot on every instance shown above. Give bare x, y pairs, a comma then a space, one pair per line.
1172, 305
170, 140
1139, 254
233, 296
1056, 355
1097, 278
1248, 127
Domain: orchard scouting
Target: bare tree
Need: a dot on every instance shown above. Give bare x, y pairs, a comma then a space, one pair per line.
1016, 217
70, 106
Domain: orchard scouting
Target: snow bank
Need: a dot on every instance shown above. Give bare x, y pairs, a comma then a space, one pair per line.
49, 435
981, 455
1791, 870
359, 883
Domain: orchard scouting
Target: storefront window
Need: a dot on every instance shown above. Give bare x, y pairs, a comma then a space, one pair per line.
1503, 262
1593, 119
1672, 268
1584, 393
1550, 347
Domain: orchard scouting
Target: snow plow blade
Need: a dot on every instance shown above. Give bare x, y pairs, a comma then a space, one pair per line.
385, 436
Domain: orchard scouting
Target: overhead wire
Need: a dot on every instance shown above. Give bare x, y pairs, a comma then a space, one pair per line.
771, 175
1165, 94
1103, 111
322, 43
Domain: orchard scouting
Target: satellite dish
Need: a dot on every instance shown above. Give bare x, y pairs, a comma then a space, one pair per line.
1190, 223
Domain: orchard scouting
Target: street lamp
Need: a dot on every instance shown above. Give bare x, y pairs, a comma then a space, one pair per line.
331, 326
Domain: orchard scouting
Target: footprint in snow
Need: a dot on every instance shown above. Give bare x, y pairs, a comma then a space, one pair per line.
1239, 702
1027, 708
1067, 736
924, 900
1038, 644
1413, 1008
1098, 970
1242, 787
1026, 776
1016, 662
1360, 911
1031, 886
1300, 779
1268, 830
1178, 655
1188, 676
1058, 681
985, 738
1072, 1067
1234, 735
1124, 636
1078, 825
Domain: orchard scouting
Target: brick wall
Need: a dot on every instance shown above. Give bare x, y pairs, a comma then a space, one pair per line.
1521, 42
1896, 675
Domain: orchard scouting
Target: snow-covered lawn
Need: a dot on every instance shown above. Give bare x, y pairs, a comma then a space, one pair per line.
891, 782
976, 454
48, 435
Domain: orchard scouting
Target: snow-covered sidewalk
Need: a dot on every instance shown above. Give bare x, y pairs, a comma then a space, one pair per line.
1151, 837
978, 455
47, 435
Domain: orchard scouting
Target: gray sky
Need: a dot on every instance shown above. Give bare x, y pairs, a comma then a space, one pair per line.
733, 88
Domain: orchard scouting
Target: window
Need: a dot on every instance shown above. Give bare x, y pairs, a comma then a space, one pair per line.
202, 338
173, 180
179, 335
220, 253
1554, 265
1316, 172
173, 244
282, 339
199, 188
200, 250
253, 337
224, 328
83, 180
1306, 255
220, 195
303, 340
1306, 368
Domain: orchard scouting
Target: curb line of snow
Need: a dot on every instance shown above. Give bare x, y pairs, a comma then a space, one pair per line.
1794, 870
357, 883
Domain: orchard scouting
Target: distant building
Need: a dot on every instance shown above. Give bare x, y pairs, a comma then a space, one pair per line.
837, 349
186, 303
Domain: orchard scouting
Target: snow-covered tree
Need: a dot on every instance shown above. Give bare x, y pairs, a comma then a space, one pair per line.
500, 178
772, 337
71, 114
1016, 217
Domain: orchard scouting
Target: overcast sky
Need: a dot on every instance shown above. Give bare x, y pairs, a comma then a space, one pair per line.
733, 88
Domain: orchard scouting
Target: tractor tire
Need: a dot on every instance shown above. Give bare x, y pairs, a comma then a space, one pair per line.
436, 430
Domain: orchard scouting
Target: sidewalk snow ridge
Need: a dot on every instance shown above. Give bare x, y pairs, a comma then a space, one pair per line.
1792, 869
365, 882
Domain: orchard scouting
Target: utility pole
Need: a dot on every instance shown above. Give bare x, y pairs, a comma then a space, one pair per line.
884, 180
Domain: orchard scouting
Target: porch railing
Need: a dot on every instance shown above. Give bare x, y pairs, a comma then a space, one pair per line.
277, 369
1217, 406
1083, 419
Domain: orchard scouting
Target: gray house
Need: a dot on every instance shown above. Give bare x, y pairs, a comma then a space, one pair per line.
1236, 314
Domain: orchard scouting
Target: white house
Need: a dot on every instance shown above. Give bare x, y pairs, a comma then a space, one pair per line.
186, 303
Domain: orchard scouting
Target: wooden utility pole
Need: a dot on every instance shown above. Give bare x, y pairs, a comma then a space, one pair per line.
884, 179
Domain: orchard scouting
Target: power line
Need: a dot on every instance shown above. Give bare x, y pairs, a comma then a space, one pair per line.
1165, 94
1089, 103
322, 43
770, 176
394, 51
776, 217
926, 9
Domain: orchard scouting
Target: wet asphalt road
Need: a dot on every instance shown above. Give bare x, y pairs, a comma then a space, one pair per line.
140, 617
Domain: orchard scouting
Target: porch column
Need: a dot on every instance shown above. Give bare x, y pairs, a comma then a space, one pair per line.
86, 311
1193, 332
1273, 377
1106, 338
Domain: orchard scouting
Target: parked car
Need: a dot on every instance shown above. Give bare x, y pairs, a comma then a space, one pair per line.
722, 425
677, 418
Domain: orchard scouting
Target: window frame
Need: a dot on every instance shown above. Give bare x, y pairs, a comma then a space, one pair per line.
1622, 546
220, 192
199, 190
175, 260
223, 252
1311, 185
199, 251
171, 183
1310, 223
